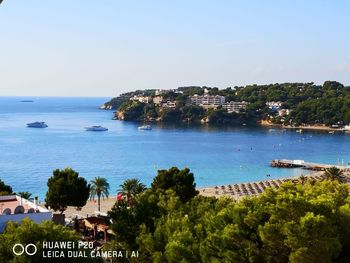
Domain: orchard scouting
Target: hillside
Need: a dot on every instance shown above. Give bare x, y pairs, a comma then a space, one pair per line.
287, 103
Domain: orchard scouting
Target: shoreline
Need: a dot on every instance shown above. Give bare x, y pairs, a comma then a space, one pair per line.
314, 128
252, 188
262, 124
308, 127
236, 191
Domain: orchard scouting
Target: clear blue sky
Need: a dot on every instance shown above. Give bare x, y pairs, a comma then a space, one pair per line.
105, 47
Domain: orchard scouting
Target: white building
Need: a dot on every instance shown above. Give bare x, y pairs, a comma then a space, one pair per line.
15, 208
143, 99
274, 105
283, 112
169, 104
235, 106
207, 101
164, 91
157, 100
160, 92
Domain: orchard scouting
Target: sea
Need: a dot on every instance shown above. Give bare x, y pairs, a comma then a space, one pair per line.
215, 155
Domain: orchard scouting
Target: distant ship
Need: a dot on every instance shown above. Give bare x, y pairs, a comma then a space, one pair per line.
96, 128
145, 127
37, 124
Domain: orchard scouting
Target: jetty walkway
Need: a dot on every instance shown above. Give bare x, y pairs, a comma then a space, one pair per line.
283, 163
240, 190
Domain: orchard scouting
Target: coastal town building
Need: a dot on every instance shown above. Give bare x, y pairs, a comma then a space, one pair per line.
169, 104
160, 92
164, 91
157, 100
274, 105
143, 99
235, 106
283, 112
15, 208
207, 101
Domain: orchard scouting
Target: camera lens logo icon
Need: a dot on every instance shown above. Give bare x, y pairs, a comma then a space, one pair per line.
19, 249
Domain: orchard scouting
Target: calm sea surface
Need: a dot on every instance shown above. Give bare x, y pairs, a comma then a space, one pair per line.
216, 156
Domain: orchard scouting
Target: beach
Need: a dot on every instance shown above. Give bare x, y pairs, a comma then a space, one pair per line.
235, 191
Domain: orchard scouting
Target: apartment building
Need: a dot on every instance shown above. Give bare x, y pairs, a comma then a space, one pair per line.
235, 106
207, 101
143, 99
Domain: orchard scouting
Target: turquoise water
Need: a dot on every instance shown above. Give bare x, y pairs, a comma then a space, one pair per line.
215, 155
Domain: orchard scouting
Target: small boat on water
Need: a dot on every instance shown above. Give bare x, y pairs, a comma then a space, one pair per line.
96, 128
347, 128
37, 124
299, 131
145, 127
331, 132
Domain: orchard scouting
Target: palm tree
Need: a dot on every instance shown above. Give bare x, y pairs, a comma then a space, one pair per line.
99, 188
302, 179
333, 173
25, 195
130, 188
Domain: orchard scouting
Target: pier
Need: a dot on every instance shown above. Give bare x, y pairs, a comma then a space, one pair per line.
283, 163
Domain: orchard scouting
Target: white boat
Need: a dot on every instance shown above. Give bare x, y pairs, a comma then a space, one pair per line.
145, 127
299, 131
96, 128
37, 124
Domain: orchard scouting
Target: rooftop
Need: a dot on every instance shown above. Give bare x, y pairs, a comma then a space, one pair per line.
13, 204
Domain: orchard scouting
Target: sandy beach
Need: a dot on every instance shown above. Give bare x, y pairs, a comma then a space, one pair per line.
235, 190
91, 208
307, 127
313, 127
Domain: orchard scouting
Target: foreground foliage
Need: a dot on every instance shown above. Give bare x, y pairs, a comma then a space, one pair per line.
100, 188
130, 188
28, 232
66, 188
5, 189
297, 223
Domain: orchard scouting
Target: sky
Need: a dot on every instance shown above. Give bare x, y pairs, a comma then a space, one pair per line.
107, 47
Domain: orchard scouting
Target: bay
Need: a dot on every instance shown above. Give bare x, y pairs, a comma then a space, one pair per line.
216, 155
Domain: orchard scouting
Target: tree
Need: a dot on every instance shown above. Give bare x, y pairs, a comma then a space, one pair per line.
303, 179
333, 173
180, 181
296, 223
99, 188
127, 220
132, 110
171, 115
25, 195
66, 188
30, 232
5, 189
130, 188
